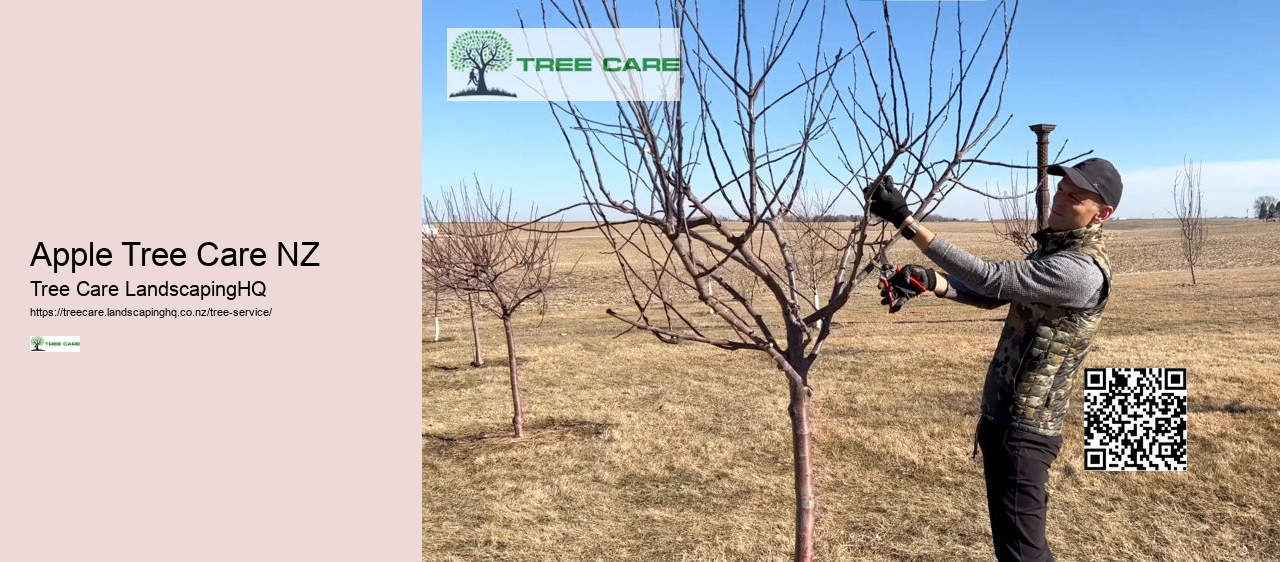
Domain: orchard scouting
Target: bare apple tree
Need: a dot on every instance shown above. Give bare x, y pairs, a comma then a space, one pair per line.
1187, 197
1019, 216
689, 192
479, 255
817, 244
430, 283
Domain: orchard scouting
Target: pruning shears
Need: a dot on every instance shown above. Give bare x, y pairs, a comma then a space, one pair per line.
887, 272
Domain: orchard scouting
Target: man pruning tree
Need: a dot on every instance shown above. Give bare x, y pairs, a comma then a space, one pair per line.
1056, 297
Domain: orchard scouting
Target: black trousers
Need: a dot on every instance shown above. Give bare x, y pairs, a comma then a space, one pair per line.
1015, 464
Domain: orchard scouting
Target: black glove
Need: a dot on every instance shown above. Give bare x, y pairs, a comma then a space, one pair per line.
906, 283
886, 202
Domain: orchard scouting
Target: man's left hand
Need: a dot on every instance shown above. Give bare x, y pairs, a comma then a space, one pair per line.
886, 202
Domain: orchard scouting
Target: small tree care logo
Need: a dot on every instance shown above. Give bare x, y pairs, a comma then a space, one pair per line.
478, 52
54, 343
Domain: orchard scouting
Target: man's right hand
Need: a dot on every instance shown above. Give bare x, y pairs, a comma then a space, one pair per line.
906, 283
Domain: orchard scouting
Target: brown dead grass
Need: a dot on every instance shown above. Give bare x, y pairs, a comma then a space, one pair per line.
636, 450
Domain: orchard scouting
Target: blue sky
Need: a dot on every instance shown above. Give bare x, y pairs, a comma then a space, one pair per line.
1144, 84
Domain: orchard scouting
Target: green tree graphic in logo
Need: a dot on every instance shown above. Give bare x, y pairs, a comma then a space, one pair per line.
477, 52
37, 341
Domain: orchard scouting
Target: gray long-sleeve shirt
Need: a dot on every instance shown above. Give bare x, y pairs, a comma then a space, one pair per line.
1068, 279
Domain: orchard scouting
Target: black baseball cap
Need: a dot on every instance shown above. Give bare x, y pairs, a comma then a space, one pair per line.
1096, 175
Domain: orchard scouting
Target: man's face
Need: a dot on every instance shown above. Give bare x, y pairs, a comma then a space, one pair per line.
1075, 207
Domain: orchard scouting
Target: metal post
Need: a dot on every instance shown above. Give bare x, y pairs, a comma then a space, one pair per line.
1042, 179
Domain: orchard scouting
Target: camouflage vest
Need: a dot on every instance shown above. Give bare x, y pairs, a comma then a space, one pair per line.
1042, 347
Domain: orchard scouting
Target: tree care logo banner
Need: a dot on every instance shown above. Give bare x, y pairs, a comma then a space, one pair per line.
56, 344
588, 64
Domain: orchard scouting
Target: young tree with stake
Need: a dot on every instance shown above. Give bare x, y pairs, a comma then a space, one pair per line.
480, 255
427, 285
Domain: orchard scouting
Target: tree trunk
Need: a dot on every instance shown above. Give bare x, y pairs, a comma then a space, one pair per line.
1193, 274
802, 456
436, 320
475, 332
480, 84
517, 399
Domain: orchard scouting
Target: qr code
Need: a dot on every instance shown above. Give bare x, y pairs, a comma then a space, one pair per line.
1135, 419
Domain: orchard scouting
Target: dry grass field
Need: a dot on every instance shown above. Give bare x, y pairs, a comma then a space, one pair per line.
637, 450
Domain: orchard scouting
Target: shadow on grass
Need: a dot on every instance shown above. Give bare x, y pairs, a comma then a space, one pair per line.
552, 428
502, 362
497, 437
495, 362
441, 340
1232, 407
